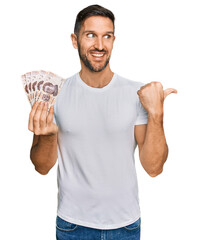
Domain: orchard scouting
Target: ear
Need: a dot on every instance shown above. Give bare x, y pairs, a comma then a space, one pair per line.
74, 40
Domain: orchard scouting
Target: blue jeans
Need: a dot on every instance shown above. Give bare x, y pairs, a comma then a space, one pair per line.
70, 231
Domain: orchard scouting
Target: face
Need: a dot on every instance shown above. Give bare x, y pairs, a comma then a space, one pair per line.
95, 42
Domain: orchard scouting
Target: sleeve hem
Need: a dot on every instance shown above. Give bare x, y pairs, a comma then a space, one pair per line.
141, 121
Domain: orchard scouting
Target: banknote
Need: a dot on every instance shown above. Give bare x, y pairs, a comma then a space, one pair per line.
29, 86
25, 86
34, 81
42, 86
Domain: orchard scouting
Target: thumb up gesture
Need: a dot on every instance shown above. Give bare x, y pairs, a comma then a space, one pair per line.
152, 97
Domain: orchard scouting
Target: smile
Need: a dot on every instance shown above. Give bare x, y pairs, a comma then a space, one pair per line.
98, 55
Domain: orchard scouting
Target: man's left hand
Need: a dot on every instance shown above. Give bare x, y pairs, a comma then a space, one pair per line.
152, 97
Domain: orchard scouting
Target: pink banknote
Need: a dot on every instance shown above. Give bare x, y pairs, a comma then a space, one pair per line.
42, 86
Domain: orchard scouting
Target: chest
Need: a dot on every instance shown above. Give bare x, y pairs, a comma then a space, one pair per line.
79, 113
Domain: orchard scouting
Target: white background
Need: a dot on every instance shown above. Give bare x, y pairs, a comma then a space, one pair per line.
155, 41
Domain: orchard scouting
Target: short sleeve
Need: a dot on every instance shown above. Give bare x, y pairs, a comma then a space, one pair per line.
142, 114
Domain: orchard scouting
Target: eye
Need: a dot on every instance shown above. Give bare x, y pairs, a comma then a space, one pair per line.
90, 35
107, 36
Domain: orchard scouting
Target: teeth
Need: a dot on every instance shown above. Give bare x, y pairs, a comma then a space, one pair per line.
98, 55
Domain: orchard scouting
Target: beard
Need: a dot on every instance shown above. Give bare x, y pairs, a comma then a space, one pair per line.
88, 64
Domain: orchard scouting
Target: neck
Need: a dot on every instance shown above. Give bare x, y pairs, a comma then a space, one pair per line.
96, 79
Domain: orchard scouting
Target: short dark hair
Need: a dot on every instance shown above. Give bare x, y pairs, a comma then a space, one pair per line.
92, 10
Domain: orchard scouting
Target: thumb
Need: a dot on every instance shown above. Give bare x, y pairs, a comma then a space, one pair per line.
168, 91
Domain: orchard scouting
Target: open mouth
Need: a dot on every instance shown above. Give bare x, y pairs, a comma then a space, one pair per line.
97, 54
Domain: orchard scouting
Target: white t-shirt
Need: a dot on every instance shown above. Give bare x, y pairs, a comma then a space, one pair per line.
97, 182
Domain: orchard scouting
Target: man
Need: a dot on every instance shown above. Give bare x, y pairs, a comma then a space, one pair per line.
94, 127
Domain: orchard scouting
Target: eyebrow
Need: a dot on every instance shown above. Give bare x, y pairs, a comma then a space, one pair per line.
90, 31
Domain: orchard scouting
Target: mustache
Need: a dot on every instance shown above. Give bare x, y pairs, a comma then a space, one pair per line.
97, 50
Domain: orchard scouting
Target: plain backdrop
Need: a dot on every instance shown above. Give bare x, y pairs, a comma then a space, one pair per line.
155, 41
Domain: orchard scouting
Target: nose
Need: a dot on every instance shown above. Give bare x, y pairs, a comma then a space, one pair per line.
99, 43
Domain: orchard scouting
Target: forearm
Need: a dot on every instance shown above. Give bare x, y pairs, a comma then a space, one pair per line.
44, 154
155, 150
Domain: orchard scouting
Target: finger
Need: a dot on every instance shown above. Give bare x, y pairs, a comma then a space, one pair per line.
31, 116
172, 90
169, 91
50, 115
142, 87
36, 119
43, 117
138, 92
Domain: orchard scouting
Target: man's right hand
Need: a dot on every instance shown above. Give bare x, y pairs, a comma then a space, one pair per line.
41, 123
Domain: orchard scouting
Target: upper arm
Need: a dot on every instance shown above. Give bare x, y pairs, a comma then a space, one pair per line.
140, 134
140, 124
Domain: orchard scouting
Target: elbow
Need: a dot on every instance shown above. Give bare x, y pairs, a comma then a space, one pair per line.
44, 168
155, 172
42, 171
154, 169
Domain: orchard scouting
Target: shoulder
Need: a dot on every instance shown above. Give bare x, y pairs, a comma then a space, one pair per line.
123, 81
70, 78
67, 84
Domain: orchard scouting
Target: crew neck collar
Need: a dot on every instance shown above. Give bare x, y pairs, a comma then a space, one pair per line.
95, 89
